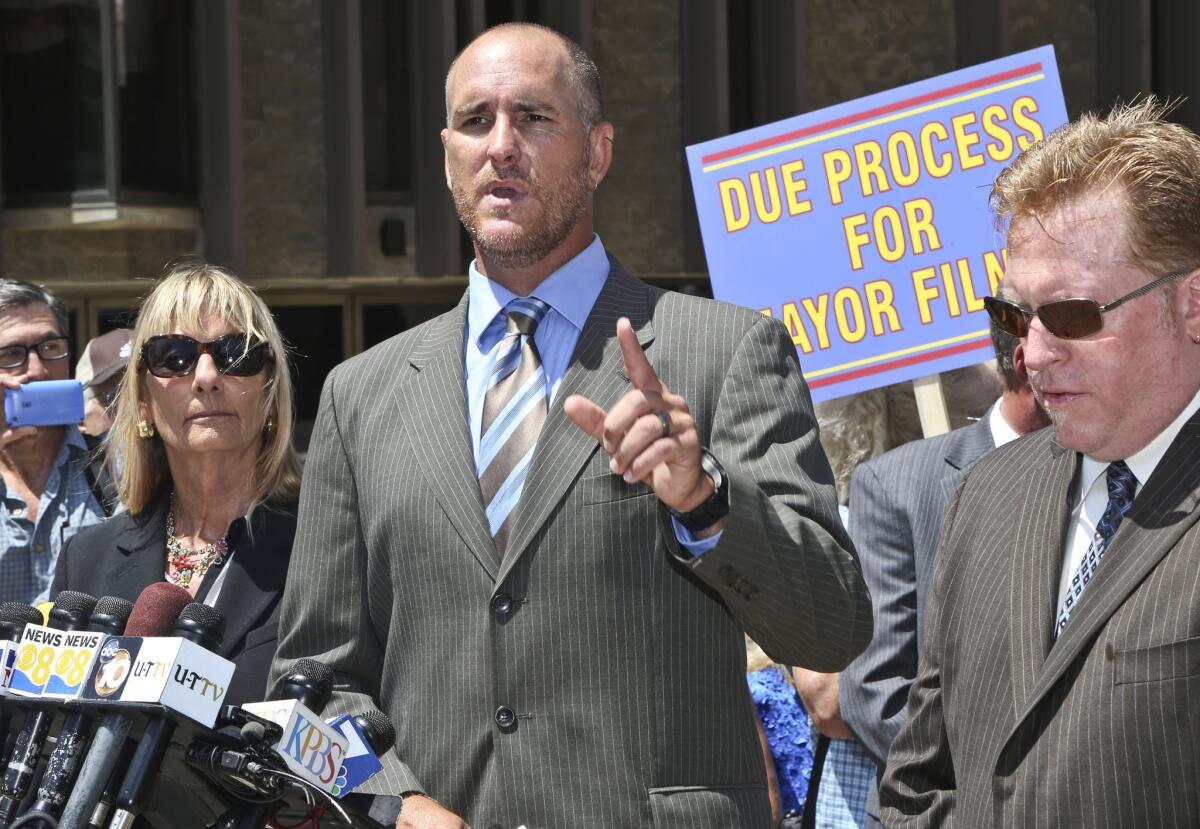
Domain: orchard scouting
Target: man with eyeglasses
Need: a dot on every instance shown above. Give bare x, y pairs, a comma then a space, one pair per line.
47, 491
1057, 684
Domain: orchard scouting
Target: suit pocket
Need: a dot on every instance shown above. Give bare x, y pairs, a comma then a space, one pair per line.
710, 807
603, 489
1155, 663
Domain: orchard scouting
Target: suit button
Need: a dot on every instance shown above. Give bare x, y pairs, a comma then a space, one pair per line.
502, 605
505, 717
1110, 653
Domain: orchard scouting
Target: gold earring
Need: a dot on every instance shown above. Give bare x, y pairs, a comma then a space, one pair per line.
269, 426
1196, 338
145, 430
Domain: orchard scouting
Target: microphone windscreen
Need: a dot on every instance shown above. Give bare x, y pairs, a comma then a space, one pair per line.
14, 616
206, 617
20, 613
114, 607
73, 603
378, 730
311, 682
156, 609
201, 624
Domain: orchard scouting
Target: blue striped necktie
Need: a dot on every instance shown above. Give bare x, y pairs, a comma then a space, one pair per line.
514, 409
1122, 485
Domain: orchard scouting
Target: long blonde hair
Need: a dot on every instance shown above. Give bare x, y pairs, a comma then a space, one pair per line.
185, 296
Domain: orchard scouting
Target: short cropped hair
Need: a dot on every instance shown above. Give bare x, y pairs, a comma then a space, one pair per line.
582, 74
184, 297
1154, 162
16, 294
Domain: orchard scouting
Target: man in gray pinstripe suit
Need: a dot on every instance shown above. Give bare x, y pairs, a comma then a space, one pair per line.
533, 530
897, 502
1057, 684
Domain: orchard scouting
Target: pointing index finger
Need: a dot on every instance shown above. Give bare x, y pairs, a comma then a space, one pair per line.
640, 372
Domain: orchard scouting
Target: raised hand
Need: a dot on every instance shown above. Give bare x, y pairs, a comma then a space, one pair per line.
650, 433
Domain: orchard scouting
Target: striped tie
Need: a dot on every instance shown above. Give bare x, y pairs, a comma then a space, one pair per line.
514, 410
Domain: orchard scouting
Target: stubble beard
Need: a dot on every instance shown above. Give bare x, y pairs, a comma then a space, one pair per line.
561, 210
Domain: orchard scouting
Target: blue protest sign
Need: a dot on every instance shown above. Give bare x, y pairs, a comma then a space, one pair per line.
865, 227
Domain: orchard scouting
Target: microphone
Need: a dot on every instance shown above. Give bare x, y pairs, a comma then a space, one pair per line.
70, 613
109, 617
14, 616
378, 731
154, 614
204, 626
308, 746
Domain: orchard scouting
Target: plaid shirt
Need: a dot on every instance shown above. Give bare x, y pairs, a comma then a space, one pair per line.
29, 550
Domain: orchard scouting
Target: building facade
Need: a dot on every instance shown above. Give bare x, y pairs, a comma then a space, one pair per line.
296, 141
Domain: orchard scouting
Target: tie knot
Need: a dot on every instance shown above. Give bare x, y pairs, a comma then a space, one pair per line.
1122, 483
524, 313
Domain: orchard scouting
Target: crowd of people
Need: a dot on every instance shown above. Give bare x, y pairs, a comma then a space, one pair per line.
539, 530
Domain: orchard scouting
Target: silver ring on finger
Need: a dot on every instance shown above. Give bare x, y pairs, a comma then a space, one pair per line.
665, 420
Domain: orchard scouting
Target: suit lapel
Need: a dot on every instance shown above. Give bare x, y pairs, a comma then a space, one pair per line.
1163, 511
143, 548
965, 446
1041, 514
597, 372
256, 572
433, 413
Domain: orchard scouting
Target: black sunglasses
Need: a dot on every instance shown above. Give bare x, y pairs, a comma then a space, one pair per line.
1069, 319
176, 355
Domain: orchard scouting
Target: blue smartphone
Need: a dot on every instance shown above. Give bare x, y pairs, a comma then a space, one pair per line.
45, 403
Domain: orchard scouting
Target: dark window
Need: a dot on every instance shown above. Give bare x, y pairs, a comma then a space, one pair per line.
58, 57
51, 99
158, 108
383, 320
387, 105
314, 335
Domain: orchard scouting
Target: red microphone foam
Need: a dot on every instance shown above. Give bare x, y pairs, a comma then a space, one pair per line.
156, 609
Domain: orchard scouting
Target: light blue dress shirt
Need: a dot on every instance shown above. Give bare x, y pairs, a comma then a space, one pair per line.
570, 291
29, 549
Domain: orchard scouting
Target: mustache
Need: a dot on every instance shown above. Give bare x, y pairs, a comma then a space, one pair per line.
503, 174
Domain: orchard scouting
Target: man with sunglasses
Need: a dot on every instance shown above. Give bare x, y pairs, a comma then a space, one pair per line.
48, 492
534, 529
1057, 684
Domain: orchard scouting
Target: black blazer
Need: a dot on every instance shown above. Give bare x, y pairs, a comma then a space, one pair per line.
127, 553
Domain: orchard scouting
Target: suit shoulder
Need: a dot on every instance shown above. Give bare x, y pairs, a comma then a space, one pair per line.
676, 307
1028, 450
906, 457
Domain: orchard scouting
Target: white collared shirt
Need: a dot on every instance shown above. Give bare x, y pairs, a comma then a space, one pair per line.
1091, 496
1002, 433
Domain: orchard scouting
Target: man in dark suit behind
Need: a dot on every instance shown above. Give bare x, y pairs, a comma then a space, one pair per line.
534, 529
897, 502
1062, 640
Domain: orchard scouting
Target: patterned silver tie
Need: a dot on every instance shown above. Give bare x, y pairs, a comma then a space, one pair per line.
1122, 484
514, 409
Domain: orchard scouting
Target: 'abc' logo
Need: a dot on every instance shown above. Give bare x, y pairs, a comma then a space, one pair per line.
112, 673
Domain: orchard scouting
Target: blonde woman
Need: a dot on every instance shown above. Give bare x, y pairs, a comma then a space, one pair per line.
208, 476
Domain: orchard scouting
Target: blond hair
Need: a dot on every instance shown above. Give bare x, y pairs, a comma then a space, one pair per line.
1155, 163
184, 298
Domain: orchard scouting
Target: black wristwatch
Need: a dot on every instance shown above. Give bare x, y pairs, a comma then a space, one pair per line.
716, 506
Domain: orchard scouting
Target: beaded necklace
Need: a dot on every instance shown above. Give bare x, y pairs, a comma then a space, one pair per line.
189, 562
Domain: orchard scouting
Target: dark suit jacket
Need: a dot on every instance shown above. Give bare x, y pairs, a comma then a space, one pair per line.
623, 661
1007, 727
897, 502
125, 554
